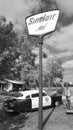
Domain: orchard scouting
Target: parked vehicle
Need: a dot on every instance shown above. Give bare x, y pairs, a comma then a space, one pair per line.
29, 100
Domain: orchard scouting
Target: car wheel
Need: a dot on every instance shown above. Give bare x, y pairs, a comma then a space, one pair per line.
56, 103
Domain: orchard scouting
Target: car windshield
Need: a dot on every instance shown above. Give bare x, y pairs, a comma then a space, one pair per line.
16, 94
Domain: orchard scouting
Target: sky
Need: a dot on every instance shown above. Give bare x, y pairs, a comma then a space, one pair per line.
62, 40
60, 43
17, 10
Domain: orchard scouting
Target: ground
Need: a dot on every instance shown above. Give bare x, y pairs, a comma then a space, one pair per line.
53, 118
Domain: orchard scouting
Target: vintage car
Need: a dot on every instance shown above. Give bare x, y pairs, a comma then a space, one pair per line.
29, 100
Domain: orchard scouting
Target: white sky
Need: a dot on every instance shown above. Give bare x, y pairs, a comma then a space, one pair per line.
17, 10
62, 40
65, 6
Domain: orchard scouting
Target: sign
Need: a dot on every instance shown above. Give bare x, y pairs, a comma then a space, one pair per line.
42, 23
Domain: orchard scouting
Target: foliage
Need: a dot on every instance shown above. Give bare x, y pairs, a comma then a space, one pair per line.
16, 59
25, 64
54, 71
8, 50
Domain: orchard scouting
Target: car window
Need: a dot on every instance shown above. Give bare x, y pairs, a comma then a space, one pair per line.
17, 94
35, 95
44, 94
28, 96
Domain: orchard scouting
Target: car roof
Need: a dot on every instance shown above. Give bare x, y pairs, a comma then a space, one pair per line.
29, 92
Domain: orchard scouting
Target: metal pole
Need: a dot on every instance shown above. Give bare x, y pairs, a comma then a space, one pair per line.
40, 120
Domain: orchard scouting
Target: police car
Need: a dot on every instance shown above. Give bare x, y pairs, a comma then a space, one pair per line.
29, 100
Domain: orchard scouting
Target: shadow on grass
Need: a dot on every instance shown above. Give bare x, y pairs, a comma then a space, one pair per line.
47, 118
13, 121
4, 116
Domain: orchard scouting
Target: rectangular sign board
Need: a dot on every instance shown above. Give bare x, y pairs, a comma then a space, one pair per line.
42, 23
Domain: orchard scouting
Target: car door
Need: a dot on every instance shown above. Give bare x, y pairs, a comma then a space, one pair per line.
35, 100
46, 100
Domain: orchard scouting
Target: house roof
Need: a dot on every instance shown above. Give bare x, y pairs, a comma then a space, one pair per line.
14, 81
2, 82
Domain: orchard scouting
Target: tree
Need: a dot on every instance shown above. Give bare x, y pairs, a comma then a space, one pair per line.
16, 59
54, 71
8, 48
25, 63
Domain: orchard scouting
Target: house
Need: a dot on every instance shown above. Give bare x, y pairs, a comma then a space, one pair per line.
13, 85
2, 84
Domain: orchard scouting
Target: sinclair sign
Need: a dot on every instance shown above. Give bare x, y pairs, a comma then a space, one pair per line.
42, 23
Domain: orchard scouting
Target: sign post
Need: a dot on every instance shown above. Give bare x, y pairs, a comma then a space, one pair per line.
39, 25
40, 115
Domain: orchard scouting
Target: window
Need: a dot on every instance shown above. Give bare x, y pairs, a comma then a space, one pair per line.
28, 96
35, 95
16, 94
44, 94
